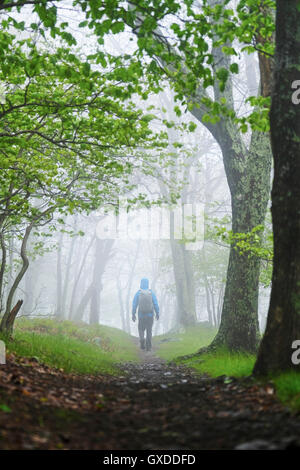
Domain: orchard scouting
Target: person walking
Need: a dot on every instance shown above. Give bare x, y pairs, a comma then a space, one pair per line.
146, 302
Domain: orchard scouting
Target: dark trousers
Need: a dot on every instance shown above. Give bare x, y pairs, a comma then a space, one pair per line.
145, 323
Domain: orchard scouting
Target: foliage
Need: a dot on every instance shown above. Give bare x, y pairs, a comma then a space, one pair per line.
70, 134
223, 362
67, 346
54, 152
288, 389
256, 243
249, 243
195, 30
5, 408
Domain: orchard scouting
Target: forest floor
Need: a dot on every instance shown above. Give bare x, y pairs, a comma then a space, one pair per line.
153, 406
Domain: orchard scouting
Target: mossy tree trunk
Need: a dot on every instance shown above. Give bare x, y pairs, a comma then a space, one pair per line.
248, 176
283, 323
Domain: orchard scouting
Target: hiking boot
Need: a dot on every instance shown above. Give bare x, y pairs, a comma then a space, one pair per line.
142, 344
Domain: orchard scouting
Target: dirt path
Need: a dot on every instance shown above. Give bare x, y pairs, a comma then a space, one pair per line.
152, 406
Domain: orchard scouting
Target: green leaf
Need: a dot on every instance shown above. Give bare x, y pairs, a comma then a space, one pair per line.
192, 126
117, 27
177, 111
5, 408
234, 68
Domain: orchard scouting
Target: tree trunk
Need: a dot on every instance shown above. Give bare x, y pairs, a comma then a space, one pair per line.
129, 287
95, 305
59, 312
2, 269
249, 180
11, 317
76, 281
121, 303
283, 323
30, 279
220, 301
186, 314
66, 282
102, 255
7, 321
213, 303
83, 304
209, 312
184, 280
30, 282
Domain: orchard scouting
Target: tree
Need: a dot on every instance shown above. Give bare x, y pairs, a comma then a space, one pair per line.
191, 66
180, 173
283, 323
55, 158
102, 255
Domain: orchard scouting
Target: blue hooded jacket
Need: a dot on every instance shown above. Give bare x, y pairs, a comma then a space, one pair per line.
144, 285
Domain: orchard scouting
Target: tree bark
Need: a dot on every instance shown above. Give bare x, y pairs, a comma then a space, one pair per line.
59, 312
6, 325
76, 281
283, 323
210, 317
249, 179
83, 303
185, 292
129, 287
121, 303
2, 269
66, 282
102, 254
11, 317
220, 302
248, 175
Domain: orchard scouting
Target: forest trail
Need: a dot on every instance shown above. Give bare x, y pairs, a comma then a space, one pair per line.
153, 406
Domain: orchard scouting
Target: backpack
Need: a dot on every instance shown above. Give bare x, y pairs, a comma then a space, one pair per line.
145, 301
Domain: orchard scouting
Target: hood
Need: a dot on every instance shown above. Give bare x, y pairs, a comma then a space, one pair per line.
144, 283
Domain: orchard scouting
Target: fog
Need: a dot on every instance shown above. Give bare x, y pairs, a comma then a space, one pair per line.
78, 273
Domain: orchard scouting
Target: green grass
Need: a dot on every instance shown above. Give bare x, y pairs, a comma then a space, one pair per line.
222, 362
188, 342
288, 389
68, 346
